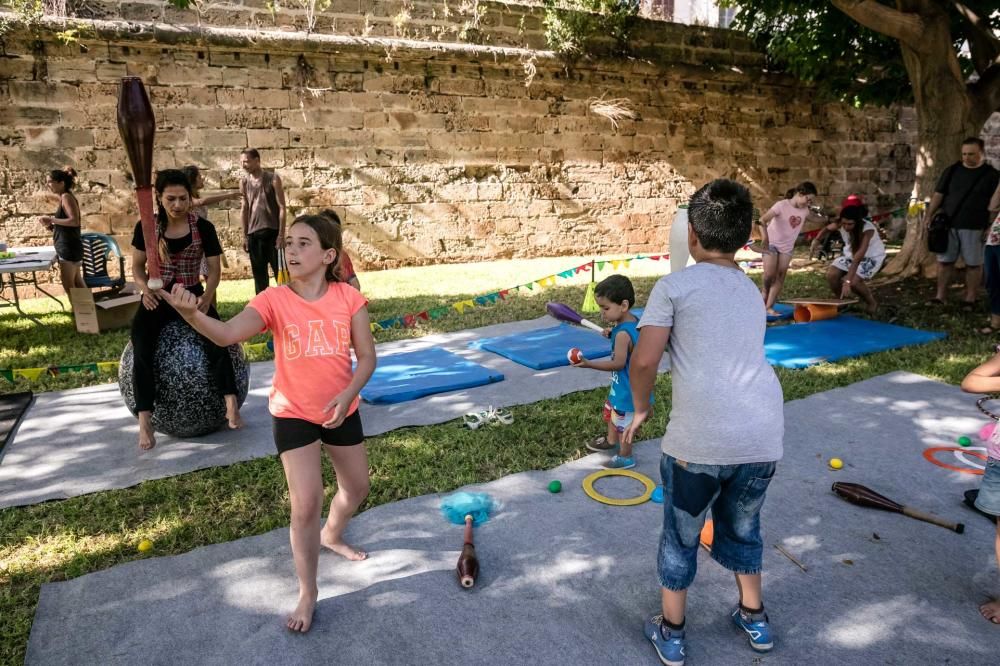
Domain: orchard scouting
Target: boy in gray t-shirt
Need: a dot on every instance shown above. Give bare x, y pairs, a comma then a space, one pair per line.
726, 424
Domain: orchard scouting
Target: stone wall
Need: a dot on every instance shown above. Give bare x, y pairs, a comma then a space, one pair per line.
433, 152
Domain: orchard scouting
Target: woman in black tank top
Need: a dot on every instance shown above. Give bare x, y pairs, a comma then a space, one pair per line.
65, 227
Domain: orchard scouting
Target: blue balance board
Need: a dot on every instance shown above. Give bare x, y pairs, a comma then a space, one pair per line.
545, 348
802, 345
412, 375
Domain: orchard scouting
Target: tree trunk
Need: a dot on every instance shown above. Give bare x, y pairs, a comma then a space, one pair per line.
944, 119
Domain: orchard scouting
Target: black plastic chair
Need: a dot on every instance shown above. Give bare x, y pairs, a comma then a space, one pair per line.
97, 250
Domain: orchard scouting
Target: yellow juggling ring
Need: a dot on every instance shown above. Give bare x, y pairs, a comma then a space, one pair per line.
588, 487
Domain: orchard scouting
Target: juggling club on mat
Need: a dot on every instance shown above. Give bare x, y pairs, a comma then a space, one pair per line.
863, 496
468, 563
470, 509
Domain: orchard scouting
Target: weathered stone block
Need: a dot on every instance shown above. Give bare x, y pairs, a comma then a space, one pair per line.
268, 138
217, 138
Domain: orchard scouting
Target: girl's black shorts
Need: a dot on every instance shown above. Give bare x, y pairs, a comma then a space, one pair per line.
295, 433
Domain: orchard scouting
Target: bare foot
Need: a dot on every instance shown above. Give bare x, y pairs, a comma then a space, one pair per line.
341, 548
301, 618
233, 413
991, 611
773, 313
147, 438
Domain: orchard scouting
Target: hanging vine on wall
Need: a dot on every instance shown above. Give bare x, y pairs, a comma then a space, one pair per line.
28, 12
574, 28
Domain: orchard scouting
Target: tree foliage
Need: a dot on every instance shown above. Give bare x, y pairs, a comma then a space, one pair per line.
578, 27
816, 41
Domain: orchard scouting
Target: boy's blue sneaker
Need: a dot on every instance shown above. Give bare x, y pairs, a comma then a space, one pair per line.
669, 644
620, 462
756, 626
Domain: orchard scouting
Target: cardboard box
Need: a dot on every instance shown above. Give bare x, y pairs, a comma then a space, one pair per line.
105, 313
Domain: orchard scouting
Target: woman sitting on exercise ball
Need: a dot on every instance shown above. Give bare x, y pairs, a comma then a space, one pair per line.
863, 255
183, 239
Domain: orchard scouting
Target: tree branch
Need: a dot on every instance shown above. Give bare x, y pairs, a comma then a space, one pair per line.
985, 93
984, 46
907, 27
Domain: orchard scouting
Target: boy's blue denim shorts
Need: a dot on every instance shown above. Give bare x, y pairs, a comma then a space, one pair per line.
988, 500
735, 495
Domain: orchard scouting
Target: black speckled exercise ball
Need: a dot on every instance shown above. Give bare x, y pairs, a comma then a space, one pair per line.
188, 403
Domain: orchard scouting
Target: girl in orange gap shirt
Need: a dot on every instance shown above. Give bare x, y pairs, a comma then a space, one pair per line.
316, 319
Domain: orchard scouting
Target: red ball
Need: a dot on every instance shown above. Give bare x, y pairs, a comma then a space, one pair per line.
574, 355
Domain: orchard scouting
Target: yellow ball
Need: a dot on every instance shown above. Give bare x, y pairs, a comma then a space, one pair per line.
145, 545
836, 463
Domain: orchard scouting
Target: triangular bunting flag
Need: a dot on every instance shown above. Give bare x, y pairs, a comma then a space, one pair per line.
589, 301
408, 320
600, 265
30, 373
85, 367
423, 315
8, 374
503, 293
107, 366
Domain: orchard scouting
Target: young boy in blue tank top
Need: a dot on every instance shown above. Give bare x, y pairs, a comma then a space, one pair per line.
616, 296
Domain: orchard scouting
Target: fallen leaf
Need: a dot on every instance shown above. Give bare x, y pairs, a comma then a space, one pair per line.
848, 561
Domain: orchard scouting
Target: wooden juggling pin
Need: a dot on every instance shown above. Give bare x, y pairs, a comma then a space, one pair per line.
137, 127
468, 565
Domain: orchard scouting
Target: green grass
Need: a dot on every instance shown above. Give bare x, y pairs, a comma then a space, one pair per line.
60, 540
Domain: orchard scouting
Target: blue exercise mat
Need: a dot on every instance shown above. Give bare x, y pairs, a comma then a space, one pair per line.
784, 312
411, 375
802, 345
545, 348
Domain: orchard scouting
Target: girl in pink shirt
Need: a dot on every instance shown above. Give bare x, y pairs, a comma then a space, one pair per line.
783, 223
316, 320
986, 379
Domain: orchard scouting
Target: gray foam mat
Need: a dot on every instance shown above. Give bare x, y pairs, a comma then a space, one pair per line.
567, 580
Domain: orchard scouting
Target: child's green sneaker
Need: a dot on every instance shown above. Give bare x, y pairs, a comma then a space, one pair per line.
620, 462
